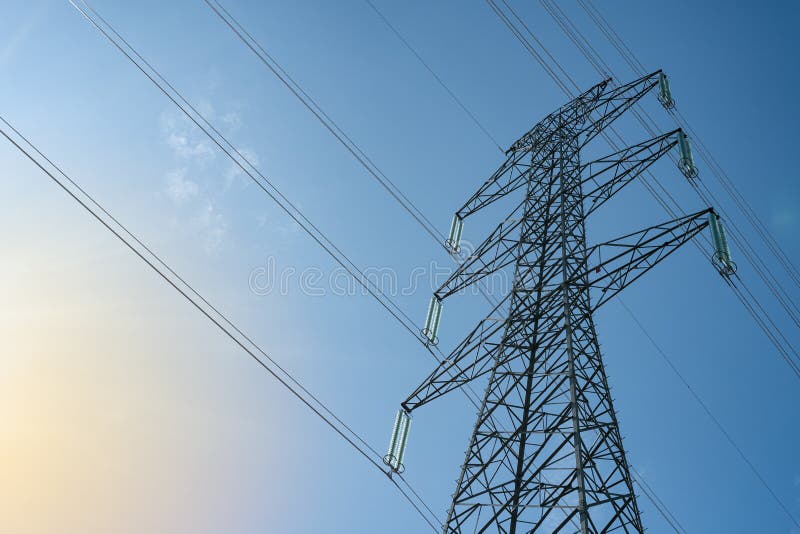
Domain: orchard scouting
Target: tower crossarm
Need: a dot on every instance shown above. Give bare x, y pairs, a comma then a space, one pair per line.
611, 267
585, 116
612, 104
614, 265
472, 358
513, 174
492, 255
606, 176
490, 344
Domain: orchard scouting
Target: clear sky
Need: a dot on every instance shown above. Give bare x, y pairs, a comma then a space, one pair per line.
123, 411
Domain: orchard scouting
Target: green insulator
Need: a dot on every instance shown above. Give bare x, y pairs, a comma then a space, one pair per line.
722, 252
429, 316
401, 448
397, 444
687, 160
432, 320
664, 92
398, 420
454, 239
718, 236
435, 329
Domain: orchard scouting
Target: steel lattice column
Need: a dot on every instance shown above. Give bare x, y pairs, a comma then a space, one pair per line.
546, 441
546, 453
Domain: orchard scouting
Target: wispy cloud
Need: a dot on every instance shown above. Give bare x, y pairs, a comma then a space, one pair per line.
213, 226
232, 121
234, 171
185, 139
198, 178
179, 188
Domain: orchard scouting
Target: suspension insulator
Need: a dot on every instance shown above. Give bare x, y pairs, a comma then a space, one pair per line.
431, 328
722, 253
397, 443
686, 161
454, 239
664, 93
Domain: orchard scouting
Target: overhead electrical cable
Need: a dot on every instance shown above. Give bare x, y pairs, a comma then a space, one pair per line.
657, 502
616, 40
752, 306
199, 120
265, 185
254, 174
211, 312
529, 47
708, 411
269, 61
737, 236
392, 183
324, 119
251, 171
603, 67
246, 165
766, 323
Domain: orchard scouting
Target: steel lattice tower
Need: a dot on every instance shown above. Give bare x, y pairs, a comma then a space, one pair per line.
546, 453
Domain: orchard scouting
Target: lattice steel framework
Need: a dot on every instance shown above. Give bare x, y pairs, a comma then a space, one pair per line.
546, 453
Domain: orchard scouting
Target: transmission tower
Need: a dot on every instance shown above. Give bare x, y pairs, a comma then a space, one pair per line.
546, 454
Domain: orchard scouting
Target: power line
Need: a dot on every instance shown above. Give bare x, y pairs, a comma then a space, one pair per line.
762, 270
324, 119
755, 310
297, 90
265, 185
708, 412
395, 186
321, 115
741, 201
659, 505
607, 70
355, 272
766, 323
758, 264
251, 171
212, 313
585, 48
270, 62
529, 47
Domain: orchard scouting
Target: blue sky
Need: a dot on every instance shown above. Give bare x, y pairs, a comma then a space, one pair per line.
126, 412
